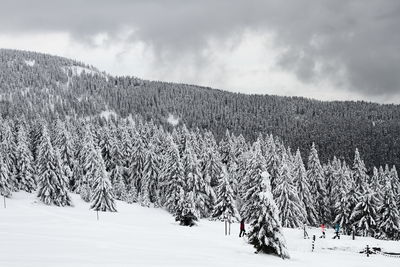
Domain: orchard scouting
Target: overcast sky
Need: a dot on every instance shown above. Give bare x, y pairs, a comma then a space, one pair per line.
329, 50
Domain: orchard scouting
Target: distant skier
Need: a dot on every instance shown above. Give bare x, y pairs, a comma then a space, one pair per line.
242, 229
337, 229
323, 231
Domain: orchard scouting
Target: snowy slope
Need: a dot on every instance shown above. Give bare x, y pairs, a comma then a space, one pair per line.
33, 234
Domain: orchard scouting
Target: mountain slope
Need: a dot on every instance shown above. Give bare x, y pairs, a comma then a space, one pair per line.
35, 84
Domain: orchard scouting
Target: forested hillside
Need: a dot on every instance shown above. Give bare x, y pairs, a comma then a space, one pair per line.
33, 84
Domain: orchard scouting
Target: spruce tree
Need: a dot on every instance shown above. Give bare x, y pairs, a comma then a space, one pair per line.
64, 143
291, 210
375, 183
52, 188
347, 199
186, 212
272, 161
172, 178
225, 204
255, 167
315, 176
149, 193
203, 194
89, 162
364, 215
359, 173
266, 232
24, 163
304, 189
5, 186
8, 147
102, 198
389, 220
136, 170
118, 183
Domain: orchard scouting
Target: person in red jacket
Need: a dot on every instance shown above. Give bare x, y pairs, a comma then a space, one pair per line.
242, 229
323, 231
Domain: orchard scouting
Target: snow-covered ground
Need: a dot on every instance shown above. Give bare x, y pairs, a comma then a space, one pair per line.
33, 234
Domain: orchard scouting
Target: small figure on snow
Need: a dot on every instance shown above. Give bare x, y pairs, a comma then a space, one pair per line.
323, 231
305, 232
337, 229
242, 229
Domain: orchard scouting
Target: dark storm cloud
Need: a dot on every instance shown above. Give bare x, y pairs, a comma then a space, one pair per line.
321, 39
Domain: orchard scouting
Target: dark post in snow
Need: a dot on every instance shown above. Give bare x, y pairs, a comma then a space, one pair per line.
354, 232
226, 228
313, 243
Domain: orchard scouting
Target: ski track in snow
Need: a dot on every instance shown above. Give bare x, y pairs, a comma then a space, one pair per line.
33, 234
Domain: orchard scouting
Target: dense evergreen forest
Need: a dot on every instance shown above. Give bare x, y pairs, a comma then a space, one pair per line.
34, 83
66, 127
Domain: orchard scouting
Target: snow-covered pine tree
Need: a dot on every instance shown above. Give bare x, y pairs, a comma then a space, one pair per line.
329, 184
375, 183
102, 198
359, 173
292, 212
107, 144
126, 149
347, 198
7, 142
211, 163
394, 179
88, 161
64, 143
225, 148
118, 183
255, 167
389, 219
335, 187
136, 170
24, 162
303, 188
186, 212
272, 161
364, 215
194, 183
315, 176
151, 170
5, 186
172, 178
225, 204
52, 187
266, 232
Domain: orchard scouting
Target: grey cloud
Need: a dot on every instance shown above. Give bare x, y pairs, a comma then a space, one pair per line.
321, 38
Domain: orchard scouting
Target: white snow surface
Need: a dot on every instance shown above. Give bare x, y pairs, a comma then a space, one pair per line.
78, 70
30, 62
106, 114
172, 120
33, 234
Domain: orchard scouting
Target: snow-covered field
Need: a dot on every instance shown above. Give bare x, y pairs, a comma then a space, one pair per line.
33, 234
